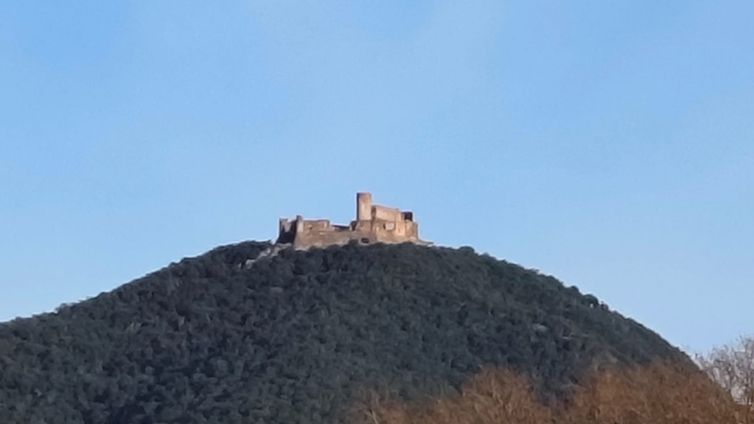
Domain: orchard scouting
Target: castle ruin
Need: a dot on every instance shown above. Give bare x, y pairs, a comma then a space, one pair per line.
373, 224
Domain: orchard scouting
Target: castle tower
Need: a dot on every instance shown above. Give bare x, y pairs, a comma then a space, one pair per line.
363, 206
373, 224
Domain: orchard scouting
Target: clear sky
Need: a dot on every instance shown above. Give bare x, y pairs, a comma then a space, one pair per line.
608, 143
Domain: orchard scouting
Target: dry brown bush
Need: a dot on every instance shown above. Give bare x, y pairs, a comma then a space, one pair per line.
658, 393
493, 396
732, 367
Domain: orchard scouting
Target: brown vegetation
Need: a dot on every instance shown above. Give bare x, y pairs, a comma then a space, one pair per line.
658, 393
732, 367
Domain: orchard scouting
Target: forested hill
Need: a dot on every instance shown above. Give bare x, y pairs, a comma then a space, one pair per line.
301, 336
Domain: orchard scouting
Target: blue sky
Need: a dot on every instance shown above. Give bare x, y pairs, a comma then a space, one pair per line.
608, 143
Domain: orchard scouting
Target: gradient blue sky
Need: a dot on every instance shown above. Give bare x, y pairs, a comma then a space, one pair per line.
608, 143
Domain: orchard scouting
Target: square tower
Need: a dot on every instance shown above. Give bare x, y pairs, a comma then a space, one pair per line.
363, 206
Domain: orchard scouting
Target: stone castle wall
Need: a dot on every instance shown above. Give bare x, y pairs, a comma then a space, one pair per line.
373, 224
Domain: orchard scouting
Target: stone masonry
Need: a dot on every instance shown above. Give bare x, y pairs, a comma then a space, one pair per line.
373, 224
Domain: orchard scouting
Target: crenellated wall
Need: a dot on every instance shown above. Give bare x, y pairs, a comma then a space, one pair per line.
373, 224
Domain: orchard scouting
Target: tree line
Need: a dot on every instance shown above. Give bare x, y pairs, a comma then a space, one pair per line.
719, 391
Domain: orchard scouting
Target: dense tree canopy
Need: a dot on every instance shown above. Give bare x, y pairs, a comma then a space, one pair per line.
298, 336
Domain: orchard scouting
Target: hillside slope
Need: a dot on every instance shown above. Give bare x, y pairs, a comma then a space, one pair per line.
300, 336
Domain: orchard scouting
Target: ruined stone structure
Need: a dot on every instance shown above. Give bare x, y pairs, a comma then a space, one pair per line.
373, 224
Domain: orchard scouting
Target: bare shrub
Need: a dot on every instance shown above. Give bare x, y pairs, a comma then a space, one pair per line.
732, 367
658, 393
494, 396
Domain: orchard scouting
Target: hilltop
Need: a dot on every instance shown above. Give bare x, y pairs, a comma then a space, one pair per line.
300, 336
